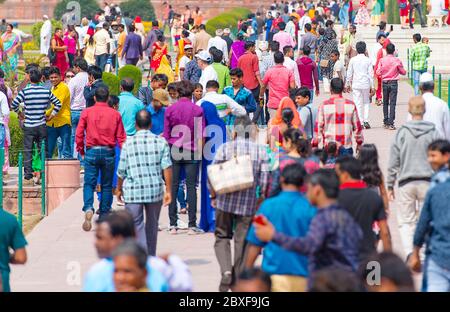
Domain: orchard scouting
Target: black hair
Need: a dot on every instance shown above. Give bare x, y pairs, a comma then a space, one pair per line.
202, 27
287, 115
198, 86
95, 71
143, 119
381, 36
335, 280
30, 67
127, 84
442, 146
303, 92
336, 52
321, 31
237, 72
256, 274
120, 223
329, 23
361, 47
286, 49
185, 88
417, 37
306, 50
155, 23
274, 46
278, 57
113, 100
282, 26
102, 94
81, 63
336, 86
131, 248
294, 174
295, 136
190, 20
185, 33
390, 48
216, 54
212, 84
351, 165
54, 70
249, 45
160, 77
46, 72
370, 170
328, 180
382, 25
328, 152
308, 26
161, 37
240, 37
35, 75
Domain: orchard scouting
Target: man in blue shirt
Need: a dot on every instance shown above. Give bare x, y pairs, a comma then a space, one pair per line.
129, 105
157, 110
291, 214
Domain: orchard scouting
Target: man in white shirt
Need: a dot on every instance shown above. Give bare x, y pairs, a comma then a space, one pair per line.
220, 44
185, 59
290, 64
82, 31
46, 35
224, 104
360, 82
208, 72
102, 45
436, 110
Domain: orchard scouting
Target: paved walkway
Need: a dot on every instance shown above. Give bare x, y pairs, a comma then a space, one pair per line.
60, 252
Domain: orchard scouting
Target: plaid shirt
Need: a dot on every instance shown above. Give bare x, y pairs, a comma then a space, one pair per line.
143, 158
337, 119
420, 52
244, 202
333, 240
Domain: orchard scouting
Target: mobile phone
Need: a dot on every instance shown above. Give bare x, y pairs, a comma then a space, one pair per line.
392, 27
259, 220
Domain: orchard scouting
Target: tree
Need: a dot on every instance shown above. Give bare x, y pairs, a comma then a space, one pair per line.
142, 8
88, 8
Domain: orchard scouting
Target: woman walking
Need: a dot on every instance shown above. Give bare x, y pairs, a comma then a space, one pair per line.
326, 47
237, 50
61, 59
9, 53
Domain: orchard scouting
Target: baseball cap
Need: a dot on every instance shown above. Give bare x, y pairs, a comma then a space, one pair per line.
162, 96
425, 77
188, 46
204, 56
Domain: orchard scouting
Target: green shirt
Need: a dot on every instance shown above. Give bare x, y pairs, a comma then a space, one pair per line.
223, 74
420, 52
11, 236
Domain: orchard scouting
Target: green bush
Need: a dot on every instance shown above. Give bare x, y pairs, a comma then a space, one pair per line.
16, 139
142, 8
36, 31
227, 19
88, 8
133, 72
113, 82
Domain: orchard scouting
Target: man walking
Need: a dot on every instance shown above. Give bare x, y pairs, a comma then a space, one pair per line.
234, 211
283, 37
222, 71
416, 5
337, 121
94, 82
360, 82
102, 46
100, 129
203, 60
290, 64
389, 69
132, 50
144, 162
309, 40
419, 55
219, 44
409, 166
35, 100
129, 105
201, 39
309, 76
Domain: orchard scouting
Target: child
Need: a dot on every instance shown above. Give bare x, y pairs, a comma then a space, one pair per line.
305, 111
238, 92
338, 67
172, 89
329, 155
439, 157
198, 92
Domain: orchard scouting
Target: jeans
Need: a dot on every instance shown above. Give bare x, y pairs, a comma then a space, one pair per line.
416, 78
436, 278
31, 135
132, 61
191, 168
2, 135
64, 133
99, 159
181, 196
75, 119
345, 151
101, 60
417, 7
312, 91
390, 90
258, 115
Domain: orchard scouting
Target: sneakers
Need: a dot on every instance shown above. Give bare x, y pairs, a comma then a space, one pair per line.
87, 224
195, 231
366, 125
226, 281
172, 230
392, 127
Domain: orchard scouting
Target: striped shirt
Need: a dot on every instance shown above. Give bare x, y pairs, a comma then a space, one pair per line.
36, 100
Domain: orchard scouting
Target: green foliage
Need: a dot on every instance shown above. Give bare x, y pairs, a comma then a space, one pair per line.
142, 8
227, 19
113, 82
393, 13
133, 72
36, 31
88, 8
16, 139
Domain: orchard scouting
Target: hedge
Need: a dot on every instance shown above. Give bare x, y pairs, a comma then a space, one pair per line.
36, 31
133, 72
113, 83
88, 8
227, 19
142, 8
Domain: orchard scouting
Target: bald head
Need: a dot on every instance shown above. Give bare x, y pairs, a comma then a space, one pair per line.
143, 120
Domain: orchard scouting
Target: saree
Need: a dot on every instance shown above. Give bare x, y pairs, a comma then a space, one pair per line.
158, 53
166, 69
9, 53
237, 50
215, 137
181, 44
60, 60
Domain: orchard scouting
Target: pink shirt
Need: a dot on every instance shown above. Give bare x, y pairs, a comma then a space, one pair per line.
71, 44
284, 39
390, 68
278, 78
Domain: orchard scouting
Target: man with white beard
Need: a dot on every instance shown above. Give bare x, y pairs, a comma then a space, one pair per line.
46, 35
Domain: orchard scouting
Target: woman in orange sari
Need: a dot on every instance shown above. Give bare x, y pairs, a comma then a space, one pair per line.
181, 44
159, 50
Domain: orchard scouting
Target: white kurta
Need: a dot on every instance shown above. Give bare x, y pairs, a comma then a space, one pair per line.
46, 36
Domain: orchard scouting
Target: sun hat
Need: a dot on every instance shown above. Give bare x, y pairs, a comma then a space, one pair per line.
162, 96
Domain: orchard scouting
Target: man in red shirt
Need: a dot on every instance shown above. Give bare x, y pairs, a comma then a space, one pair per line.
249, 64
101, 127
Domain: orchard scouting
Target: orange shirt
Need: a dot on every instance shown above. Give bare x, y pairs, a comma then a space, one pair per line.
121, 43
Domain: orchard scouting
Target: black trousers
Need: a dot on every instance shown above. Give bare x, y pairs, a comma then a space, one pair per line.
390, 90
417, 7
32, 135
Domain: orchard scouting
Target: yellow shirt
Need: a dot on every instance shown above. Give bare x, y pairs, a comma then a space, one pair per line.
121, 43
62, 92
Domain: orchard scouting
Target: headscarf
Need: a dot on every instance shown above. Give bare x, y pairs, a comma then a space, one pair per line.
138, 19
212, 119
286, 102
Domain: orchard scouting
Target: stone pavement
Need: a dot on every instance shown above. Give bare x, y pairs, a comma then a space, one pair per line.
60, 253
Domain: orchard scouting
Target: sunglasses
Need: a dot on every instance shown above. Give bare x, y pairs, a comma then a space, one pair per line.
70, 76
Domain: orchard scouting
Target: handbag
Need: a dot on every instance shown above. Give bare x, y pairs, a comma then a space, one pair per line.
231, 176
324, 63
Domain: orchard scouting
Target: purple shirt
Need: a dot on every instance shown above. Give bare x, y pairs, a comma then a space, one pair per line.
133, 47
184, 124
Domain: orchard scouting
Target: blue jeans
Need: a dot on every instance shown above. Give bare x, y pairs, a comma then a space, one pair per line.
101, 60
345, 151
75, 119
416, 78
52, 135
98, 160
2, 135
312, 95
436, 278
181, 196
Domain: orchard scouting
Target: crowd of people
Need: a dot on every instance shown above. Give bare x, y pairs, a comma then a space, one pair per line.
280, 174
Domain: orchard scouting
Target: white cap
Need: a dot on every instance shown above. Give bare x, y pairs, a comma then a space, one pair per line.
45, 17
426, 77
204, 56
